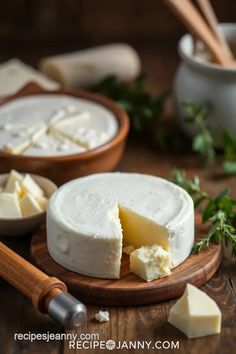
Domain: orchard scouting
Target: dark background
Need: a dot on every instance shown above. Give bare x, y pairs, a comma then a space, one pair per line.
30, 29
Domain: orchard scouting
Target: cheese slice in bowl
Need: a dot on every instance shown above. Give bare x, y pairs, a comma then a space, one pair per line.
90, 218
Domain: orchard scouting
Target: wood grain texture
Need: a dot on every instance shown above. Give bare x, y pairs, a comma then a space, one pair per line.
129, 289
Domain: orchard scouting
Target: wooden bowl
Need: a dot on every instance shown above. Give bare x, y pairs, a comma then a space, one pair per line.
61, 169
26, 225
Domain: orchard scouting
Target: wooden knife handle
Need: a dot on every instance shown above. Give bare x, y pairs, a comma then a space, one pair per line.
28, 279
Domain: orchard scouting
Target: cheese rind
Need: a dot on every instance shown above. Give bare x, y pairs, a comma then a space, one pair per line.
195, 314
83, 220
150, 262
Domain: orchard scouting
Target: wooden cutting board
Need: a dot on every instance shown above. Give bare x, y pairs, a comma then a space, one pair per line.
130, 289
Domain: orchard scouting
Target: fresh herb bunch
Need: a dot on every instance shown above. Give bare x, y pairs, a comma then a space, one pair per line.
229, 147
143, 109
203, 142
219, 211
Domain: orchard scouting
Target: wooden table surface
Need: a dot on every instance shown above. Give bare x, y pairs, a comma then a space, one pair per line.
131, 323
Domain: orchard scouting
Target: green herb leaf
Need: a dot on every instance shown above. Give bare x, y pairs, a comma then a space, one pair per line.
144, 110
229, 167
219, 211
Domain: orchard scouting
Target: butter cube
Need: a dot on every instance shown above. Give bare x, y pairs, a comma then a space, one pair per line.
29, 206
42, 201
30, 186
14, 177
150, 262
9, 206
195, 314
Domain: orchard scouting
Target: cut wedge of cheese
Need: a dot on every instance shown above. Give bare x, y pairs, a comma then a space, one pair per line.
29, 206
20, 137
195, 314
14, 74
150, 262
42, 202
30, 186
86, 216
14, 177
9, 206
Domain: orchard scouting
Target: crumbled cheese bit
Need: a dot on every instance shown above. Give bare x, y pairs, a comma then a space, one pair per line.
102, 316
150, 262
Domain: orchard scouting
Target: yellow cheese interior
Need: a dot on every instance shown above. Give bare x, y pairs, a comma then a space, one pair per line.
140, 231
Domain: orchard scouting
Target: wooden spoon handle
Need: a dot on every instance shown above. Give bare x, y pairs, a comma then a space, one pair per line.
196, 24
211, 18
27, 278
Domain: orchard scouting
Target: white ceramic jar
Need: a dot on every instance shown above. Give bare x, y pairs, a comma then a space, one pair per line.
199, 80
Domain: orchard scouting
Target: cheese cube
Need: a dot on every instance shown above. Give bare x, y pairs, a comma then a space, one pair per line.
29, 206
9, 206
150, 262
195, 314
30, 186
42, 201
14, 177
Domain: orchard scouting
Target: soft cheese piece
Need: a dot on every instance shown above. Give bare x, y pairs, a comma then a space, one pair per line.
14, 74
29, 206
102, 316
12, 179
195, 314
42, 202
9, 206
30, 186
83, 221
20, 137
150, 262
78, 129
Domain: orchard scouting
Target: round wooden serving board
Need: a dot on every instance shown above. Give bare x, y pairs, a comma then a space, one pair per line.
129, 289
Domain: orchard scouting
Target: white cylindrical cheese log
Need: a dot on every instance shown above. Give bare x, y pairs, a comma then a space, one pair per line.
86, 68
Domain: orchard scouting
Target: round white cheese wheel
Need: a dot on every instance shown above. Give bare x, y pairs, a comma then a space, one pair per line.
89, 218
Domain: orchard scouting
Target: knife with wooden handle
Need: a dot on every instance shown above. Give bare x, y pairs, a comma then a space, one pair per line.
48, 294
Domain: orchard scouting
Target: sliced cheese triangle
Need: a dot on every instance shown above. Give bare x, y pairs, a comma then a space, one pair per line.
196, 314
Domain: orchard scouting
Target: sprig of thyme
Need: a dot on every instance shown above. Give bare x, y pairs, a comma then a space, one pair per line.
144, 110
220, 212
203, 142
